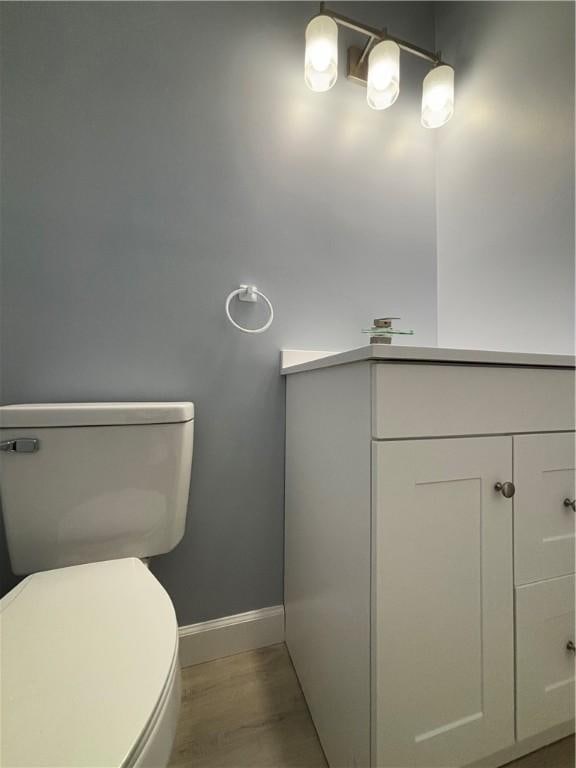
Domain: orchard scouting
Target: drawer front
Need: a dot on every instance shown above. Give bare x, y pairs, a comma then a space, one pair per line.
544, 664
544, 527
450, 400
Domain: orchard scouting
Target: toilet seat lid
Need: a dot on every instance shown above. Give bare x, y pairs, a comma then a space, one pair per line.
86, 653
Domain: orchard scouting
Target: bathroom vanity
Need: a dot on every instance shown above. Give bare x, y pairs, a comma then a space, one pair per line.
429, 582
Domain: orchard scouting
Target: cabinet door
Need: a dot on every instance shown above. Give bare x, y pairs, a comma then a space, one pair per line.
443, 663
543, 527
544, 663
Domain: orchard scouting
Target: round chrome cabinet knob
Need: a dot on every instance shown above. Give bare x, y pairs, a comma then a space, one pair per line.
506, 489
571, 504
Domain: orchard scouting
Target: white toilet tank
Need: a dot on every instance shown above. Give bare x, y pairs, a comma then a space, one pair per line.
84, 482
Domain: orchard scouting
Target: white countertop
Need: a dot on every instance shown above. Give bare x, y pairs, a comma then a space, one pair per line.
297, 360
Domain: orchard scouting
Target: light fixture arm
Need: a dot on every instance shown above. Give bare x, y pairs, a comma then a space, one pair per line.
375, 35
366, 50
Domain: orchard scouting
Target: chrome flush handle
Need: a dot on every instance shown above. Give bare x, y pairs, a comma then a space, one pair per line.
20, 445
571, 504
506, 489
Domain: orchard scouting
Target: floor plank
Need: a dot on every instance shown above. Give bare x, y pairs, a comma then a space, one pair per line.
247, 711
557, 755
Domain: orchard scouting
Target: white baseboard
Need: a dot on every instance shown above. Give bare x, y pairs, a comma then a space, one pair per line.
214, 639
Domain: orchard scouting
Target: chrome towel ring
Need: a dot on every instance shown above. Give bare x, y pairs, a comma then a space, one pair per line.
249, 293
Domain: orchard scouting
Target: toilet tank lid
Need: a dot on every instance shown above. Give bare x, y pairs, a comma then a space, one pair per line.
93, 414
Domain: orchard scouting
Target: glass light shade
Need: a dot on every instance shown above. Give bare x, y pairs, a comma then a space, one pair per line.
383, 75
438, 96
321, 57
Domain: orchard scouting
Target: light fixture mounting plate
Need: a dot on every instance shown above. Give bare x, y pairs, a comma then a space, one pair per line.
357, 69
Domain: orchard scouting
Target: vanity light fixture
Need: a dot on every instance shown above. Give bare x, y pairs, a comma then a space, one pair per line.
376, 66
383, 84
438, 96
321, 58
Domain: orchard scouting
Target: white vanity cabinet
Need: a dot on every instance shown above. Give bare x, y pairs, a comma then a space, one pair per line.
429, 609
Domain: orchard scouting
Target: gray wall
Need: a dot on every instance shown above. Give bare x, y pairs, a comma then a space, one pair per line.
505, 180
155, 155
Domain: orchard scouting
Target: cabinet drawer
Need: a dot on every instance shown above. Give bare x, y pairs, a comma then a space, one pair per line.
449, 400
544, 528
544, 665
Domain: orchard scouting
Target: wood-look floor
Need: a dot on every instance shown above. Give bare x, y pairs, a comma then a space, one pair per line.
247, 711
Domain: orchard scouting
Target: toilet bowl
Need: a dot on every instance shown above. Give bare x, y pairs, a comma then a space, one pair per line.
89, 668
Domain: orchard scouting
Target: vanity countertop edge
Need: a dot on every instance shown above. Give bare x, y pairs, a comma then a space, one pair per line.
299, 360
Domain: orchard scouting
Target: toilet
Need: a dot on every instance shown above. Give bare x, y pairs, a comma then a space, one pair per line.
89, 639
